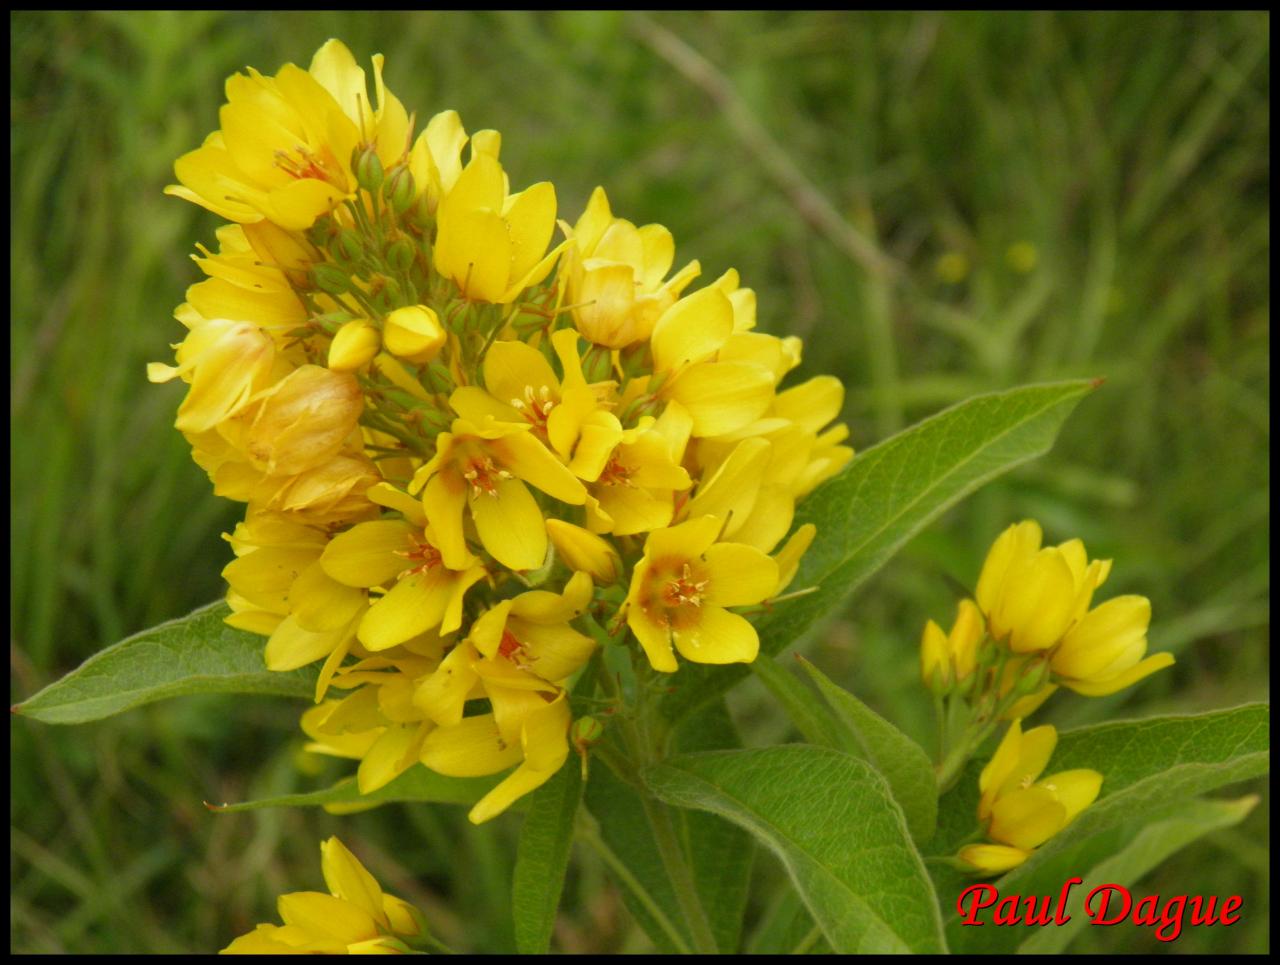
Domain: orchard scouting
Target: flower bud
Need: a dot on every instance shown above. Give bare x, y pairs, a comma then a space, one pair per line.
399, 189
400, 254
585, 732
368, 168
414, 333
585, 551
331, 279
351, 245
303, 420
355, 345
387, 293
935, 659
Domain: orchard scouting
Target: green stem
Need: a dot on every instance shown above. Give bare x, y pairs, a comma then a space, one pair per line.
681, 875
589, 832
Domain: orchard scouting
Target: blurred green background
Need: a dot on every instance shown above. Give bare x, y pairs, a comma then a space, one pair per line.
941, 204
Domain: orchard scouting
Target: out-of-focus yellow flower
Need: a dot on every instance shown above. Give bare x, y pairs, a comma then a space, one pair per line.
355, 917
680, 591
1018, 812
492, 244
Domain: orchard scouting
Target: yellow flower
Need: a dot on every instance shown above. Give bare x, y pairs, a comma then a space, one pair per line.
614, 274
355, 917
634, 491
284, 149
427, 593
1103, 653
491, 244
1038, 600
680, 589
485, 470
1032, 596
226, 363
1018, 812
719, 396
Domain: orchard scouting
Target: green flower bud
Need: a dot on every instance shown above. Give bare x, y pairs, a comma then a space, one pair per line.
330, 278
368, 168
400, 254
351, 245
389, 295
399, 189
585, 732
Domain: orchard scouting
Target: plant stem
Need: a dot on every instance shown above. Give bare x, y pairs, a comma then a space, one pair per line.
589, 832
681, 875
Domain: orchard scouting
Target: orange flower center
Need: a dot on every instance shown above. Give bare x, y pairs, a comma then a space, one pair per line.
484, 476
616, 474
535, 406
683, 590
422, 554
303, 164
510, 647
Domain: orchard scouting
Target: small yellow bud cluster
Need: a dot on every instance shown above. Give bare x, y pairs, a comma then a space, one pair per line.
471, 455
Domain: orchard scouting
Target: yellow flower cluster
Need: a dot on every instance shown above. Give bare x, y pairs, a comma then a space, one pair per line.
1033, 612
1017, 811
465, 451
356, 917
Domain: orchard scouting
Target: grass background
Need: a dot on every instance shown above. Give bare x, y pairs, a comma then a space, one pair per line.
941, 204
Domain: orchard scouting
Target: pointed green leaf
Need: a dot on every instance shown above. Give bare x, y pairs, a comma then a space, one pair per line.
812, 717
832, 821
887, 495
542, 857
195, 654
901, 760
415, 784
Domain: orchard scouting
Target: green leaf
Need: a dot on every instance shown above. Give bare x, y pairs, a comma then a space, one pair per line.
195, 654
542, 857
416, 784
887, 495
832, 821
812, 717
721, 854
901, 760
1139, 854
